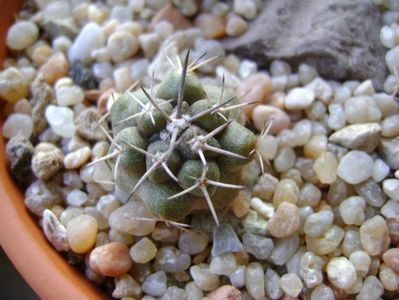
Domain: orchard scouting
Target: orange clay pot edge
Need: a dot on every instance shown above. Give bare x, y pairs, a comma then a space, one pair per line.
45, 270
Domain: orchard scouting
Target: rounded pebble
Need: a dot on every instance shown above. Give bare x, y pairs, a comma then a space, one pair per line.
355, 167
143, 251
21, 35
341, 272
325, 167
76, 159
122, 45
299, 98
111, 259
391, 188
285, 221
374, 235
352, 210
391, 258
192, 242
82, 232
18, 124
61, 120
265, 115
69, 95
291, 284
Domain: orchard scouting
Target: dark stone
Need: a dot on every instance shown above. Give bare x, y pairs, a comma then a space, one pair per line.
338, 37
19, 153
82, 76
55, 29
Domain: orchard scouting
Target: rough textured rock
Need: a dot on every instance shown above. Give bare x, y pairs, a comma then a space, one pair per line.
363, 137
338, 37
19, 152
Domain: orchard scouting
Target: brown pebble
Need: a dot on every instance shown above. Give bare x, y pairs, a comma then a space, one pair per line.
225, 292
322, 205
103, 100
285, 221
92, 95
213, 27
255, 88
41, 54
173, 16
200, 257
111, 259
391, 259
56, 67
393, 230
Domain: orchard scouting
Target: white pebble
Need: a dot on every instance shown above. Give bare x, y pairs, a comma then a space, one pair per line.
77, 158
61, 120
102, 70
355, 167
149, 43
69, 95
284, 159
390, 210
361, 261
223, 264
392, 60
77, 198
247, 67
21, 35
237, 277
352, 210
390, 126
391, 188
336, 118
299, 98
341, 94
255, 280
18, 124
203, 278
362, 109
54, 231
365, 88
90, 38
122, 45
380, 170
387, 37
62, 43
321, 88
341, 272
263, 208
247, 9
316, 224
291, 284
268, 147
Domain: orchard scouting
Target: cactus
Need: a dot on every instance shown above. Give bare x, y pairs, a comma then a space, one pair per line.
181, 149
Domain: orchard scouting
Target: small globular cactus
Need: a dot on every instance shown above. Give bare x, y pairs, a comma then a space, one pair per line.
181, 149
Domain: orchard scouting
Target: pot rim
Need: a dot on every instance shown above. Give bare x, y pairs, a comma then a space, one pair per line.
43, 268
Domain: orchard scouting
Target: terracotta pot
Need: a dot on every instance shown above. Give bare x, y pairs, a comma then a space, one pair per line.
45, 270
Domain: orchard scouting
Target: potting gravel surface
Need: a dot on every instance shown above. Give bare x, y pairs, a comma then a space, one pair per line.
321, 220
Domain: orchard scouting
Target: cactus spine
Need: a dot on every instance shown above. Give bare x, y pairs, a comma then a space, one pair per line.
180, 148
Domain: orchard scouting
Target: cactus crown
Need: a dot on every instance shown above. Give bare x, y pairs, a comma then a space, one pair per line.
181, 148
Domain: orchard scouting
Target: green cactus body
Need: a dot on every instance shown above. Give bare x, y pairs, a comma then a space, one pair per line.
181, 148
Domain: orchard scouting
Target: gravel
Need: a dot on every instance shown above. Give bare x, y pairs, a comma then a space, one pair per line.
319, 215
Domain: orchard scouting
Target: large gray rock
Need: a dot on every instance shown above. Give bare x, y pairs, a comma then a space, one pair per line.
339, 37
